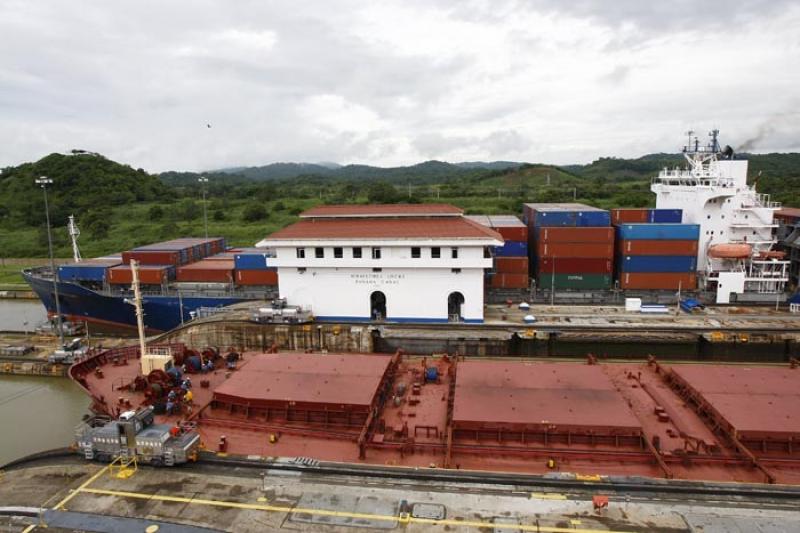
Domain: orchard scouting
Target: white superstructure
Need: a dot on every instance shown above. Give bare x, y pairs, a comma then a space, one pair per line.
416, 263
713, 192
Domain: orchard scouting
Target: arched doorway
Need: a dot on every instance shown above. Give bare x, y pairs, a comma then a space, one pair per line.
455, 302
377, 305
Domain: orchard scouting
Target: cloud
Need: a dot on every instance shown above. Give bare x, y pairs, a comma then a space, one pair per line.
391, 82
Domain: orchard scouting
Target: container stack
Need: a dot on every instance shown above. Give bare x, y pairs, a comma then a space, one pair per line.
207, 271
252, 268
511, 264
646, 216
148, 274
91, 270
571, 246
657, 256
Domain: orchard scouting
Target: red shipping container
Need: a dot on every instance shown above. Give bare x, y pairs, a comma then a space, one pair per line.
628, 215
511, 265
582, 265
657, 247
148, 274
658, 280
510, 281
152, 257
605, 251
577, 234
207, 271
513, 233
256, 277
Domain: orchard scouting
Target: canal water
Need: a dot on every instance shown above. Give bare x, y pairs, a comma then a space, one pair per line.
21, 315
36, 413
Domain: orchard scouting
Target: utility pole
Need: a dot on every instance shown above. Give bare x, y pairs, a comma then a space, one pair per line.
203, 181
44, 181
553, 284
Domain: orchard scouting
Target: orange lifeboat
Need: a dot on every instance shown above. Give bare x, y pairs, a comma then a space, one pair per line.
772, 254
730, 251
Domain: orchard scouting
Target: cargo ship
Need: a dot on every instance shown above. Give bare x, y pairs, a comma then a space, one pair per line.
592, 420
180, 279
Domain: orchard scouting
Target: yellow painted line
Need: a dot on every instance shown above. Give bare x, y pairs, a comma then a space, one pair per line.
29, 528
326, 512
60, 505
547, 496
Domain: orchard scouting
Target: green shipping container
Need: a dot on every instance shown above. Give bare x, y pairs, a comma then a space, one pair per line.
576, 281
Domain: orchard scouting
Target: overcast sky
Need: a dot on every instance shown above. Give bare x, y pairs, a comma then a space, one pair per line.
390, 83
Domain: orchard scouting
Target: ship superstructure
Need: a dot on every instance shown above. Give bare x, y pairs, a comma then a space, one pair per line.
736, 248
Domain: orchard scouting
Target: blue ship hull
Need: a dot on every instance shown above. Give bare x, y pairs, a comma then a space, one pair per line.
110, 313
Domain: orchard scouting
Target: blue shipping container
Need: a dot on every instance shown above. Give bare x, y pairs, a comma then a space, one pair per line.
658, 263
86, 271
593, 218
250, 261
554, 218
512, 249
680, 232
665, 216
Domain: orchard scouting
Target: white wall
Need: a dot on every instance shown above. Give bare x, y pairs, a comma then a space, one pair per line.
411, 293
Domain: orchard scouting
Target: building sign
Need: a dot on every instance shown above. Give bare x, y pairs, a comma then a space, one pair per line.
380, 278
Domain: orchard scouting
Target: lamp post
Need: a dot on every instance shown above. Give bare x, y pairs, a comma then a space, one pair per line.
44, 181
203, 181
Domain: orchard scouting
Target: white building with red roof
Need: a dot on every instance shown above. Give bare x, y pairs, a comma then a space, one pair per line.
394, 263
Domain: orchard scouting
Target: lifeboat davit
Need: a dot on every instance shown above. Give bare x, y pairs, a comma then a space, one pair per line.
772, 254
730, 251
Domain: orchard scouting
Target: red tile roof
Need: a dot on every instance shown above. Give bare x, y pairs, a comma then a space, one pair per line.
381, 228
381, 210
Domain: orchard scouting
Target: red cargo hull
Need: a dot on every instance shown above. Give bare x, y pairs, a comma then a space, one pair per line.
605, 251
582, 265
572, 235
657, 247
658, 280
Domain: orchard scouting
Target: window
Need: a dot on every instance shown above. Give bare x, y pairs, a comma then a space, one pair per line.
357, 252
338, 253
416, 252
319, 253
301, 253
376, 253
377, 270
455, 270
436, 252
454, 253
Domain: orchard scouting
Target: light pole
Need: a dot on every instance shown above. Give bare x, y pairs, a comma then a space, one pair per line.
44, 181
203, 181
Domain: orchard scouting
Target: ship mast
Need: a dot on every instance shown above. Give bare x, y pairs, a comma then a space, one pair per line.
74, 233
137, 302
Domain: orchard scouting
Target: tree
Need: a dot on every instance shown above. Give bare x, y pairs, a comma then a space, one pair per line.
382, 192
155, 213
253, 212
218, 215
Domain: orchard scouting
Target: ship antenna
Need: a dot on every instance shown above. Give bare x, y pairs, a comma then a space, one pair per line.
74, 233
688, 146
714, 142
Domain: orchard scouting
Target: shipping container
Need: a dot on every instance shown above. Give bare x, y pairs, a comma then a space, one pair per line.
223, 256
251, 261
581, 265
510, 227
657, 247
155, 257
148, 274
256, 277
666, 216
657, 263
207, 271
605, 251
509, 281
630, 215
658, 281
511, 265
512, 249
88, 270
564, 214
684, 232
575, 281
575, 235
